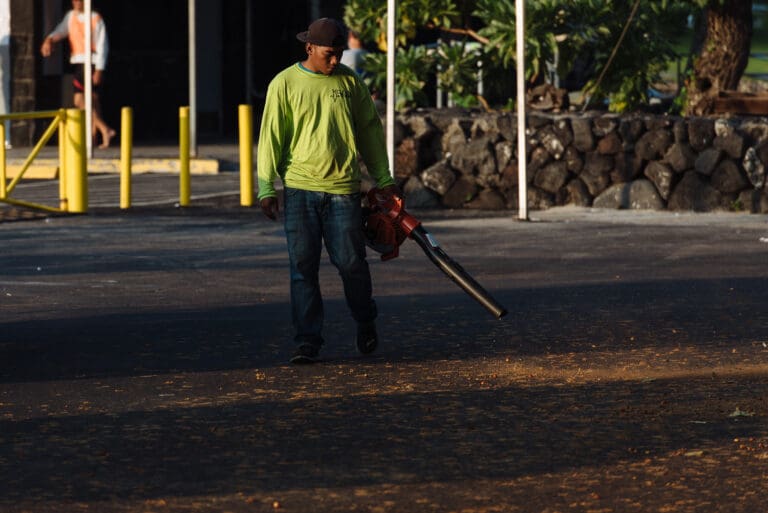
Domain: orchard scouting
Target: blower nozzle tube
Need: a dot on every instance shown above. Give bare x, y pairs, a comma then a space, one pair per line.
455, 272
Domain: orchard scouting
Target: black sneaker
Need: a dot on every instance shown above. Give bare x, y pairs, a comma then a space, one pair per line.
367, 339
305, 353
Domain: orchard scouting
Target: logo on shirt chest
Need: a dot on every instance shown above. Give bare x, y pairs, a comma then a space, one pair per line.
340, 93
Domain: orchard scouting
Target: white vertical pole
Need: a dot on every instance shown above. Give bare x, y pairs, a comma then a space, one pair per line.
521, 136
391, 49
192, 80
480, 84
438, 85
248, 51
5, 72
88, 75
449, 96
439, 93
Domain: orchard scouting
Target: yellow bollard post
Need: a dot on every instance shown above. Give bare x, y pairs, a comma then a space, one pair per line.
63, 203
77, 171
184, 178
245, 118
126, 154
3, 184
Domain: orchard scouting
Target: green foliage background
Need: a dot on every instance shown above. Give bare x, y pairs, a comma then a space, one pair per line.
573, 31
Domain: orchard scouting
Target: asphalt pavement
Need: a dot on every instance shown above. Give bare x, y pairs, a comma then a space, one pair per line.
144, 366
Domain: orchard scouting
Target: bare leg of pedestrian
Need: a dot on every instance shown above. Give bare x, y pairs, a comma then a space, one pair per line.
107, 132
99, 126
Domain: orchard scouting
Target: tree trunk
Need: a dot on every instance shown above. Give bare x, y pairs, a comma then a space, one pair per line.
724, 54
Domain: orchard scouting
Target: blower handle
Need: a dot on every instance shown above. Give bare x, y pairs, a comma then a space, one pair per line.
394, 208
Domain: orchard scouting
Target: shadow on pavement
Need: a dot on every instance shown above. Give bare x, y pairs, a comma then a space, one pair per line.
270, 447
588, 320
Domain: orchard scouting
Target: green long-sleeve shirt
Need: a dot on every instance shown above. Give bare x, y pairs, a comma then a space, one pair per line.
312, 129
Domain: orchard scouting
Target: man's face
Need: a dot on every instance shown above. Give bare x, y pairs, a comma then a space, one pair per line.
77, 5
323, 59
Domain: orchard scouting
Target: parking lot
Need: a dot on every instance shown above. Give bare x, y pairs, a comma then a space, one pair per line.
145, 366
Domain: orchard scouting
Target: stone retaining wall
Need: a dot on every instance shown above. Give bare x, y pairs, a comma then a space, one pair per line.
461, 158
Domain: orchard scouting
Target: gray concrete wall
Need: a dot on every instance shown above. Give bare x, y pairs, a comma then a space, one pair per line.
23, 61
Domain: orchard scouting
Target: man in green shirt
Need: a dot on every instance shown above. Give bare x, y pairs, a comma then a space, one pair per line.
317, 118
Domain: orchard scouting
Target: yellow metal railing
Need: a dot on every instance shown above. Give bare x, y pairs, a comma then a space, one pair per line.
185, 186
126, 156
72, 175
73, 182
245, 121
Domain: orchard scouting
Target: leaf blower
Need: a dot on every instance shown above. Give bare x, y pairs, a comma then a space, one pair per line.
387, 225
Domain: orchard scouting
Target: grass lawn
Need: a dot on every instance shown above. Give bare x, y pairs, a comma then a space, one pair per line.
758, 63
757, 67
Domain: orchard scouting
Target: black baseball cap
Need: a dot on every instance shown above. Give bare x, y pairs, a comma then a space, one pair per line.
325, 32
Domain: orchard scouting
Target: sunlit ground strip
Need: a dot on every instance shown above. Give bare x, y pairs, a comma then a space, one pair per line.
113, 396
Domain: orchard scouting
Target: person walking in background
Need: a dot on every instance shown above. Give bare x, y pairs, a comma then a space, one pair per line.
72, 27
354, 58
318, 115
354, 55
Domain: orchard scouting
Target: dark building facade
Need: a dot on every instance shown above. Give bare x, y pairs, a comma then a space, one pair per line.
149, 60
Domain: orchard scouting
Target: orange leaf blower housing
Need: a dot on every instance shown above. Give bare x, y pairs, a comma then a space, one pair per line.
387, 224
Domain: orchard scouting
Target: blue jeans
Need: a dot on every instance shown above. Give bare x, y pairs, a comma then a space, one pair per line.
311, 218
